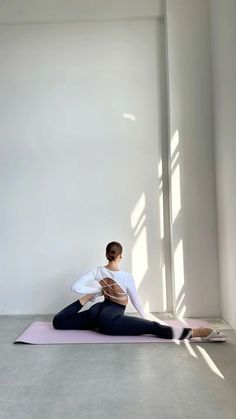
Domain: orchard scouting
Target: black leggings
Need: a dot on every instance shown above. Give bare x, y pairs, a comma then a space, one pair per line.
108, 318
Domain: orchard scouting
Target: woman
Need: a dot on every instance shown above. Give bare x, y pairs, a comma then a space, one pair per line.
108, 316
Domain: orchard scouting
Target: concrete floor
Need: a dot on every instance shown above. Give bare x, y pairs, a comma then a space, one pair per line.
161, 381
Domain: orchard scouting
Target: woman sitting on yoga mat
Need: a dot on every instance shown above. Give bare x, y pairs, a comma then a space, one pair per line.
108, 316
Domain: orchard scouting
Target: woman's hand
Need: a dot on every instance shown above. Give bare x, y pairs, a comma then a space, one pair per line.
86, 298
94, 296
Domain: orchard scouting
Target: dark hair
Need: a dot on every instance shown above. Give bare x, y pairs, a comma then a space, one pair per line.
113, 250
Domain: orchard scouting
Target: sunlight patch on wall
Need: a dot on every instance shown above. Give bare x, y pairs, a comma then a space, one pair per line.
164, 299
180, 301
139, 251
140, 224
176, 206
175, 192
138, 211
162, 233
174, 142
174, 160
161, 203
140, 257
175, 176
178, 269
159, 171
161, 212
147, 307
129, 116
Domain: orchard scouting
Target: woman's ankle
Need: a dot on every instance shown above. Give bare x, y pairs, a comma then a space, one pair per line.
201, 332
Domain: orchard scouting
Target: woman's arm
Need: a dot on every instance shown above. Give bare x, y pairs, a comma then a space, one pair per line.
80, 286
134, 297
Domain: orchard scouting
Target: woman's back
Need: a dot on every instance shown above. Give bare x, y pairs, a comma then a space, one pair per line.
113, 285
113, 292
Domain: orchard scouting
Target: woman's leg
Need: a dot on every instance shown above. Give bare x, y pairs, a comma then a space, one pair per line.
128, 325
69, 318
112, 321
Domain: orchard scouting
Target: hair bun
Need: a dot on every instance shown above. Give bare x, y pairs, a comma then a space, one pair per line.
110, 257
113, 250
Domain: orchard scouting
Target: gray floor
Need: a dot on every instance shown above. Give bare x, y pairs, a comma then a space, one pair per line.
163, 380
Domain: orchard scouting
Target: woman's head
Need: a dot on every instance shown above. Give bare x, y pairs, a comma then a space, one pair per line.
113, 250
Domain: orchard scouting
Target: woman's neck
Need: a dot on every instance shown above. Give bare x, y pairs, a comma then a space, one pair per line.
112, 266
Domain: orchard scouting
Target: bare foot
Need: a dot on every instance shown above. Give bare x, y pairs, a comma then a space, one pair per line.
201, 332
86, 298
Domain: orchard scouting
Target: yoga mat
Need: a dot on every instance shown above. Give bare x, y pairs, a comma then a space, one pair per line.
43, 333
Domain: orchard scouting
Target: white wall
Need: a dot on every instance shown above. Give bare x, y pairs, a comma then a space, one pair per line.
42, 220
32, 11
223, 41
76, 171
193, 198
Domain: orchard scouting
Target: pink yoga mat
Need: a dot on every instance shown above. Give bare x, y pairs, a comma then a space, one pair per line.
43, 333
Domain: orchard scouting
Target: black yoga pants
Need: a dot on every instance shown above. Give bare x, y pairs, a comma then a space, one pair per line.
108, 317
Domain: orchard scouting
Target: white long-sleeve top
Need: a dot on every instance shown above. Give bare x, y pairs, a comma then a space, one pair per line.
124, 279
